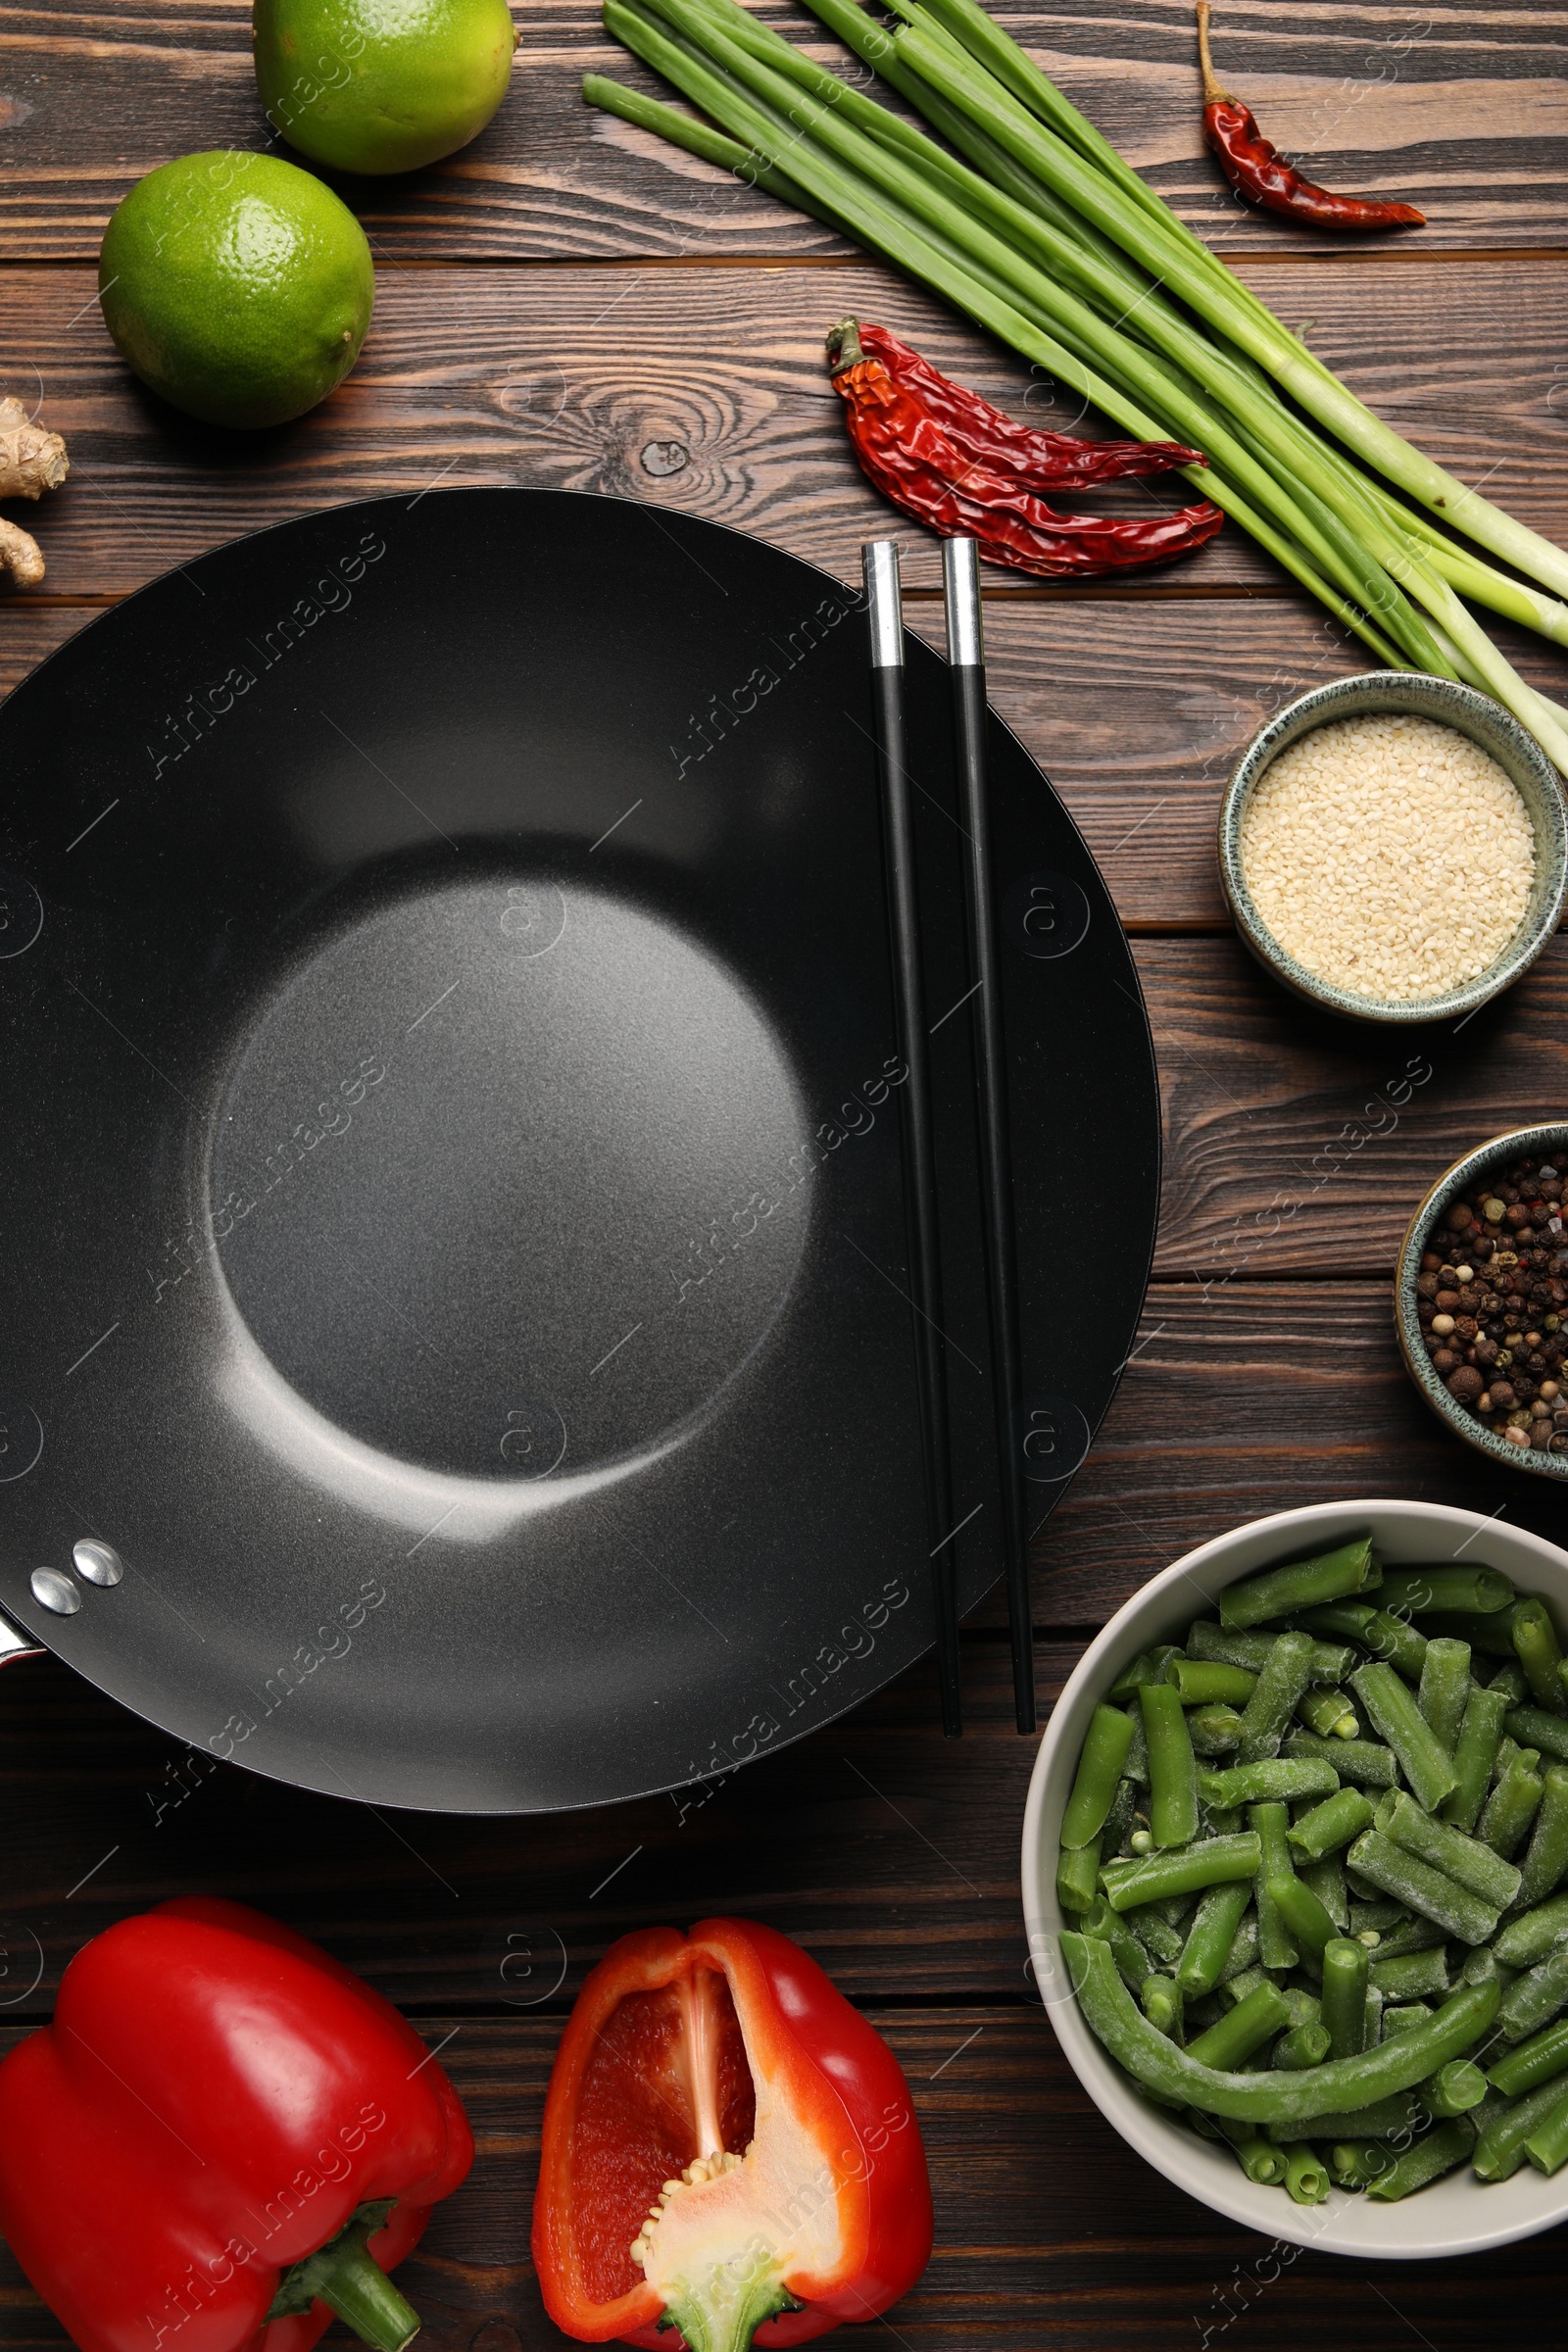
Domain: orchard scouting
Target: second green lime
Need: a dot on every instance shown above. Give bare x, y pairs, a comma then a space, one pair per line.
237, 286
382, 85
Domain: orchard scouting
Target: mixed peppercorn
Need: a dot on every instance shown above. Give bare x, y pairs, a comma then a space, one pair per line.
1490, 1293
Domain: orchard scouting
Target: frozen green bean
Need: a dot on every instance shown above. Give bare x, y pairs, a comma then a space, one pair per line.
1131, 1680
1214, 1731
1271, 1821
1346, 1971
1512, 1807
1137, 1765
1132, 1960
1189, 1871
1332, 1824
1438, 2151
1172, 1767
1548, 2145
1540, 2059
1416, 1883
1405, 2017
1535, 1998
1243, 1953
1397, 1641
1162, 2002
1385, 1912
1412, 1976
1303, 2046
1539, 1654
1331, 1660
1162, 1942
1358, 2163
1099, 1770
1270, 1780
1501, 2148
1078, 1877
1380, 2118
1328, 1713
1201, 1681
1374, 2017
1481, 1967
1270, 2096
1447, 1585
1533, 1728
1388, 1704
1465, 1860
1532, 1935
1510, 1678
1235, 1989
1302, 1585
1273, 1701
1120, 1820
1456, 2088
1490, 1635
1210, 1935
1303, 1915
1545, 1859
1257, 2018
1412, 1935
1360, 1760
1327, 1882
1474, 1756
1306, 2176
1445, 1688
1260, 2161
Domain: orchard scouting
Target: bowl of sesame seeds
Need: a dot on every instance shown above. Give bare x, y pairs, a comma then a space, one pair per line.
1395, 848
1481, 1299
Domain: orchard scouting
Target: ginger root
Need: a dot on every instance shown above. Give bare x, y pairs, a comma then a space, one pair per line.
19, 555
32, 461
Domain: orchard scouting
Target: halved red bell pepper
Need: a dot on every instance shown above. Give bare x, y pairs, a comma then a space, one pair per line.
223, 2138
729, 2149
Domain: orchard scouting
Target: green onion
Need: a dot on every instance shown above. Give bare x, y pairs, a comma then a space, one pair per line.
1040, 232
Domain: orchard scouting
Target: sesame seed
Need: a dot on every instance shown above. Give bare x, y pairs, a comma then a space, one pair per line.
1389, 856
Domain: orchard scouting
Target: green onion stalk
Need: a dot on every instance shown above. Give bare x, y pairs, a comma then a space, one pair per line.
1029, 221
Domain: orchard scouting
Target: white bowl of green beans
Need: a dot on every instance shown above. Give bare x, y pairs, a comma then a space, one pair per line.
1296, 1878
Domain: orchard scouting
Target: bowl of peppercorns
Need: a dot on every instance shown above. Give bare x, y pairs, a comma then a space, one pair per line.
1481, 1299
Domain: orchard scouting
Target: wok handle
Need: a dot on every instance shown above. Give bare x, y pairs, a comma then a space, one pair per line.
15, 1645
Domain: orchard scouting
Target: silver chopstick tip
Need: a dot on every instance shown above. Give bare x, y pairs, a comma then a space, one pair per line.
960, 581
880, 558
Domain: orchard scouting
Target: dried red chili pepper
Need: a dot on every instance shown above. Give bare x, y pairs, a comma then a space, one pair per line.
951, 461
1257, 170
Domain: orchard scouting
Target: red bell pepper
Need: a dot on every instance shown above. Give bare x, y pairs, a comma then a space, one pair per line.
729, 2149
223, 2138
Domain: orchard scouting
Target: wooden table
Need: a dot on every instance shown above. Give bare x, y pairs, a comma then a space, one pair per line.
563, 305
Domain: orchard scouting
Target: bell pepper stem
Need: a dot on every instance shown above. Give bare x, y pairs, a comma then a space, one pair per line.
722, 2312
346, 2276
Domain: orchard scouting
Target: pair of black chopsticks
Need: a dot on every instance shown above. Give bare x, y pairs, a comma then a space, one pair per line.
960, 578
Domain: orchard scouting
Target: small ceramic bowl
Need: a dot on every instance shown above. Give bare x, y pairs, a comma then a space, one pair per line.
1488, 724
1458, 2215
1523, 1143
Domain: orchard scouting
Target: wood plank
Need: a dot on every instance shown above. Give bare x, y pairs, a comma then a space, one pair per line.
1245, 1398
1462, 113
1049, 2231
891, 1853
704, 389
1296, 1144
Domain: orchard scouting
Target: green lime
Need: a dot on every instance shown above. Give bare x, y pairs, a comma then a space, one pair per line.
237, 286
382, 85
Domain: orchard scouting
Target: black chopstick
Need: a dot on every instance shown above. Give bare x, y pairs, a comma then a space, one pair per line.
880, 558
960, 580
